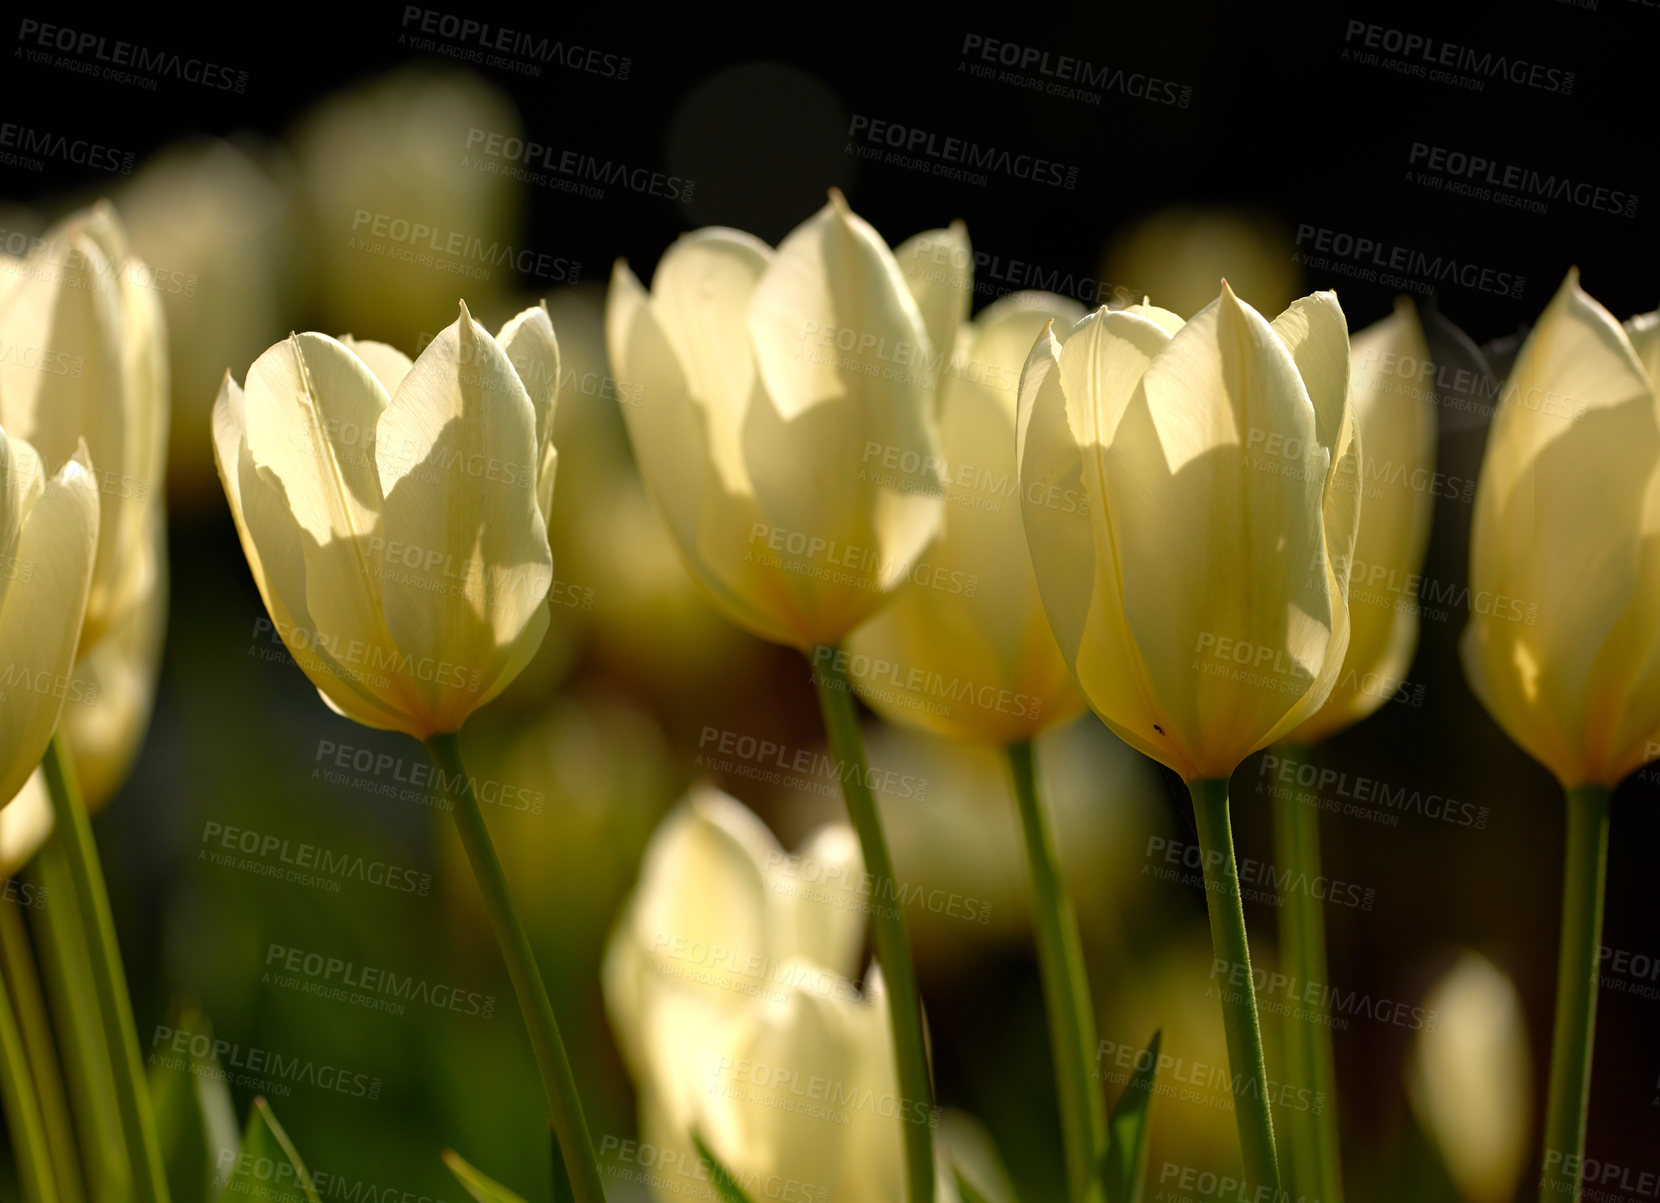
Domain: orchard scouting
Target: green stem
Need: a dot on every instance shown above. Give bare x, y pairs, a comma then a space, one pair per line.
67, 968
17, 1091
1237, 989
1311, 1168
1065, 983
893, 941
564, 1103
36, 1030
71, 825
1576, 990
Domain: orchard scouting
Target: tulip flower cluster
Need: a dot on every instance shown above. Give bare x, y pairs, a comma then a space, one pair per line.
979, 524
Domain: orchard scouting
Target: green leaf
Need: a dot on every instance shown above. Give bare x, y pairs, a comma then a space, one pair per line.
479, 1186
726, 1186
195, 1120
267, 1166
1129, 1127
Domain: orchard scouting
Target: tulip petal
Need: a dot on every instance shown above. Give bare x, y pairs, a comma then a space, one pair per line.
532, 347
1227, 540
274, 547
849, 375
674, 448
1069, 533
1396, 419
817, 912
1573, 446
40, 619
938, 266
700, 296
388, 364
466, 561
832, 316
25, 822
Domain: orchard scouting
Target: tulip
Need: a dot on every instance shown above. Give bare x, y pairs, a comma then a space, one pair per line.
48, 543
1395, 413
762, 377
90, 370
825, 352
1470, 1079
1396, 419
84, 320
1567, 660
394, 517
390, 513
965, 650
1190, 510
730, 968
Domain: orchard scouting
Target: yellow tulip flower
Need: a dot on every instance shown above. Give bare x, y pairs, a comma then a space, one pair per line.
1395, 411
1471, 1079
392, 512
964, 649
83, 317
1190, 506
48, 541
727, 980
774, 388
1563, 646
